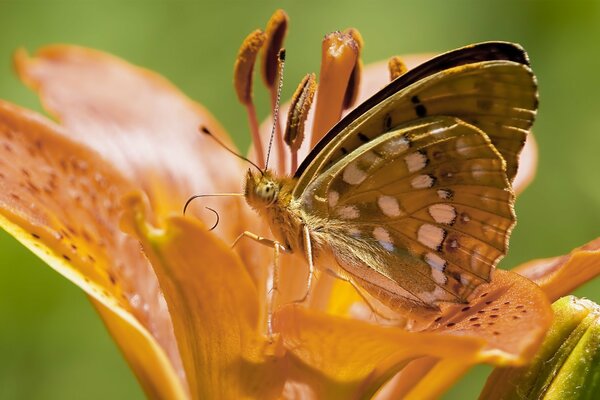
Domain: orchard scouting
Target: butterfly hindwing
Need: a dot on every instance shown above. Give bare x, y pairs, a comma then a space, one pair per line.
489, 85
426, 207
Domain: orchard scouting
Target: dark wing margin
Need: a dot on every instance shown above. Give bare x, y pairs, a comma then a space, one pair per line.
487, 51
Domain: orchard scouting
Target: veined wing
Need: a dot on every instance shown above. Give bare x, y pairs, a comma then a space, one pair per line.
426, 206
489, 85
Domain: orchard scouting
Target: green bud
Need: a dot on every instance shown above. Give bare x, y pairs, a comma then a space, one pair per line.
567, 366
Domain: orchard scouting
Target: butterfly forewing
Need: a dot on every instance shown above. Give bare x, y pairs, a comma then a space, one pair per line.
497, 95
426, 206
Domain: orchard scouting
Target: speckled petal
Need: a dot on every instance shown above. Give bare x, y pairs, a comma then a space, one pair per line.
141, 124
62, 201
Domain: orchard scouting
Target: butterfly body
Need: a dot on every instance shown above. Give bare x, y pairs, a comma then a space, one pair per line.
410, 194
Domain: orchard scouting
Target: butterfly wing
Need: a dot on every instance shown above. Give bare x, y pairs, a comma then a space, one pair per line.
420, 214
488, 85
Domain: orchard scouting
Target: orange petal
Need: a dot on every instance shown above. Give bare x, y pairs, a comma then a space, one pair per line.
511, 313
146, 358
62, 201
343, 358
148, 129
142, 124
559, 276
214, 307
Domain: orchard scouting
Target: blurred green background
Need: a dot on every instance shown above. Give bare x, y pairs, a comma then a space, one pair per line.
53, 346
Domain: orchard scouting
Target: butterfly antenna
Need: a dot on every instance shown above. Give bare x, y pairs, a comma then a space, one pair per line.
206, 131
276, 111
217, 215
196, 196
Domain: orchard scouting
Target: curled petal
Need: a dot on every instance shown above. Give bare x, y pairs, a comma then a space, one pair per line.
559, 276
214, 307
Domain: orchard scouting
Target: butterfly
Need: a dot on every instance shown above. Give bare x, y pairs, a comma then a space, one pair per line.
409, 196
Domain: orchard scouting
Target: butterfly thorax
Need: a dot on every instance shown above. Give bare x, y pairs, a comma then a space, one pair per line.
271, 197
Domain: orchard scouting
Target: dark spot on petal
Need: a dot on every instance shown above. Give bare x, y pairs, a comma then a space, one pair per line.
450, 324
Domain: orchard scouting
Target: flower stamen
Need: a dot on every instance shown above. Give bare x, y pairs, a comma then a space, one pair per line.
275, 32
397, 67
242, 81
339, 55
301, 102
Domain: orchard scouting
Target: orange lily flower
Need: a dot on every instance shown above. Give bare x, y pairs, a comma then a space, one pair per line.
187, 310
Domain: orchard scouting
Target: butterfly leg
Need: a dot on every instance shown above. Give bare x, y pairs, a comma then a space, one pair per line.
360, 292
311, 265
277, 247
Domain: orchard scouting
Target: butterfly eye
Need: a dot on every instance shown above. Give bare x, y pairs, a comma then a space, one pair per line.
267, 191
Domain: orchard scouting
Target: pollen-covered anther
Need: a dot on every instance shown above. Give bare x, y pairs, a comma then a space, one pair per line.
396, 67
242, 82
275, 33
301, 102
339, 56
244, 65
355, 76
299, 108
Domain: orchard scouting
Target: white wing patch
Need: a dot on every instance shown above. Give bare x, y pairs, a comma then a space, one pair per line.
353, 175
384, 238
415, 161
389, 206
422, 182
431, 236
443, 213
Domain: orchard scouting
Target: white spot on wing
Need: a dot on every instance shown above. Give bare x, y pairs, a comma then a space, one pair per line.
463, 146
442, 213
384, 238
415, 161
396, 145
475, 258
353, 175
444, 194
477, 171
333, 198
430, 235
422, 182
389, 206
348, 212
437, 265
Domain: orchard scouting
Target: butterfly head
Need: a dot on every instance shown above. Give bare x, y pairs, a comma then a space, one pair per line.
261, 189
